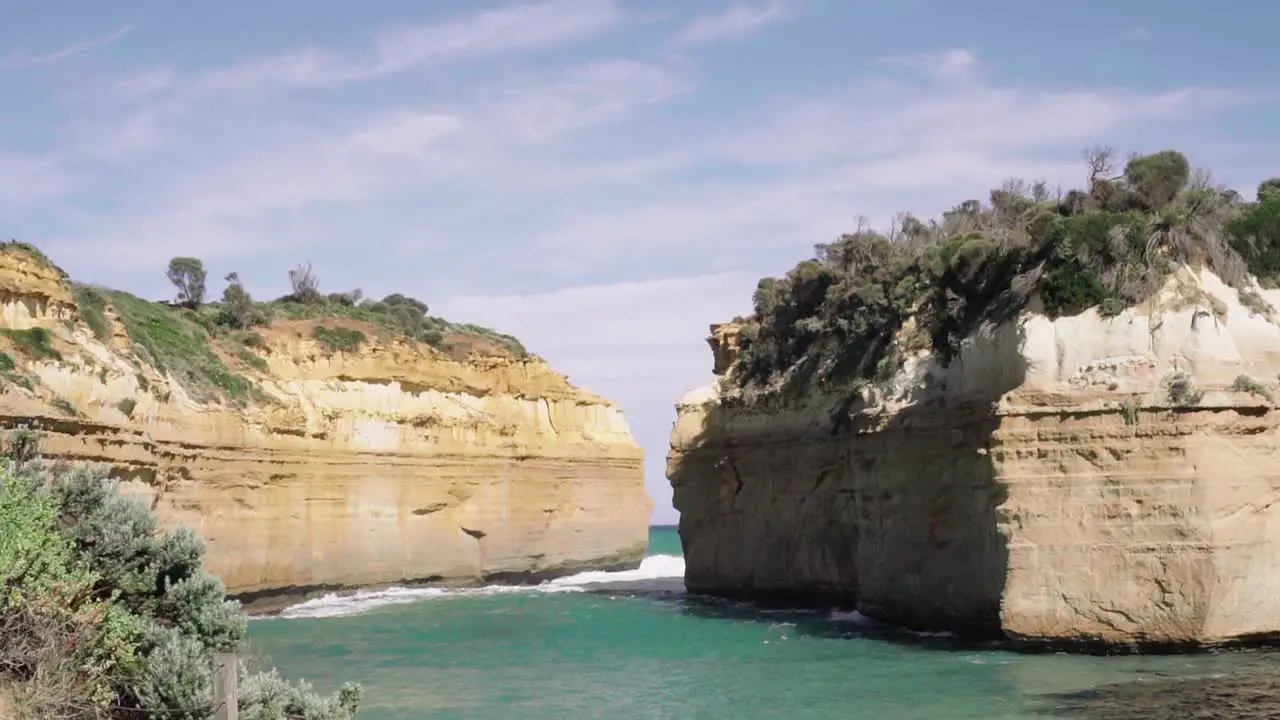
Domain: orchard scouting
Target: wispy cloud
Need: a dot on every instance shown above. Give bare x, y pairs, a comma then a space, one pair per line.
510, 29
490, 191
738, 21
166, 97
27, 179
19, 60
955, 64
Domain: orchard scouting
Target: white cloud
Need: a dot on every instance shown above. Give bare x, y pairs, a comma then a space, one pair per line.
610, 172
20, 60
26, 179
598, 93
144, 83
952, 64
640, 344
510, 29
738, 21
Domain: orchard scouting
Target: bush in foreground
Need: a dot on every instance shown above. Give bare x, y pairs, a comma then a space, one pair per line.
102, 615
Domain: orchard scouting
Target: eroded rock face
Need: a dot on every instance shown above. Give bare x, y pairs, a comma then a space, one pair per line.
385, 465
1044, 486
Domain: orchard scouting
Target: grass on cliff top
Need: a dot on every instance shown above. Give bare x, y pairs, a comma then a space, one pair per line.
172, 340
14, 246
838, 319
396, 315
191, 344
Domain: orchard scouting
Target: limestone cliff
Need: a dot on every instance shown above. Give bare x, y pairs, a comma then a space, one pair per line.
384, 463
1085, 479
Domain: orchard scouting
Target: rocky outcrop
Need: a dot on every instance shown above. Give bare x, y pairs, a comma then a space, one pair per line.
387, 464
1081, 480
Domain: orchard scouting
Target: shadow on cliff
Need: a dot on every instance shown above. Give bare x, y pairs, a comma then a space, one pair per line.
893, 515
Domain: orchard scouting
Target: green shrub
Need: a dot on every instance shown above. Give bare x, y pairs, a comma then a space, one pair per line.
104, 616
339, 339
1255, 235
92, 307
837, 319
1269, 190
238, 309
1180, 389
256, 362
6, 362
1131, 412
1244, 383
172, 341
127, 406
65, 407
35, 343
18, 379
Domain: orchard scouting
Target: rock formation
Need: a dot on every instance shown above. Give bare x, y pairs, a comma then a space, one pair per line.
1089, 479
387, 463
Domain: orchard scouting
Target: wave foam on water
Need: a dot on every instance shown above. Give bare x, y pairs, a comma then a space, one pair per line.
654, 567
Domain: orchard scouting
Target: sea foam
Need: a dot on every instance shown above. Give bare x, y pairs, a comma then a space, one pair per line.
655, 567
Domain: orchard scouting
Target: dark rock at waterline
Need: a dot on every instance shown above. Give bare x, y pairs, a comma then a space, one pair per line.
1248, 693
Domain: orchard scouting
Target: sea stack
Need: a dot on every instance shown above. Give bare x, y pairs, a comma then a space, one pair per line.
1051, 420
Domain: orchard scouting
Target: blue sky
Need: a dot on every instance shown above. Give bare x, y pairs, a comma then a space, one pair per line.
603, 178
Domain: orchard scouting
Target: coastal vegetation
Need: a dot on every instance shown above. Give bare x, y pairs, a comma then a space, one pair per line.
213, 348
848, 315
103, 616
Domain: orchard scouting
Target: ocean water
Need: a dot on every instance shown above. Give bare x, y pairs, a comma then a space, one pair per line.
633, 645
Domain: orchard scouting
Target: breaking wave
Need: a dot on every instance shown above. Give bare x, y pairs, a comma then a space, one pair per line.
655, 567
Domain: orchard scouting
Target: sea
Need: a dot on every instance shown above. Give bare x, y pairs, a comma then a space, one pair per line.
633, 645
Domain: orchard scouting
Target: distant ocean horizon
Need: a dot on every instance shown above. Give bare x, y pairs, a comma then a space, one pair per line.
633, 645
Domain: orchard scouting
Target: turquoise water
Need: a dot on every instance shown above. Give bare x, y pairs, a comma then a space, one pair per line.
632, 645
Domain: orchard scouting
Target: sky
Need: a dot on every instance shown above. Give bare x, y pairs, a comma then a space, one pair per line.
602, 178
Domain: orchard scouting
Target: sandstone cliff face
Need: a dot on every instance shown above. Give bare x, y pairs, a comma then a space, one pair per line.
1045, 485
384, 465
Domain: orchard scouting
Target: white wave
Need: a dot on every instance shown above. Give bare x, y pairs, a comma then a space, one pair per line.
853, 616
654, 567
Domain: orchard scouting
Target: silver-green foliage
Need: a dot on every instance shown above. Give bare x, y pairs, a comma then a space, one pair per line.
102, 614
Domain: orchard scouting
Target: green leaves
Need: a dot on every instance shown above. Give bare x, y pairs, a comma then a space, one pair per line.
98, 605
840, 316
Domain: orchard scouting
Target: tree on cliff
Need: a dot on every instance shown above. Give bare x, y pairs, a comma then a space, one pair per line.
238, 308
848, 314
1269, 190
104, 616
188, 275
306, 288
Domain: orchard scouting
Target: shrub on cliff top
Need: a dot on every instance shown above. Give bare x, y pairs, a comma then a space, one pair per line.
841, 317
92, 307
338, 339
35, 343
173, 341
104, 616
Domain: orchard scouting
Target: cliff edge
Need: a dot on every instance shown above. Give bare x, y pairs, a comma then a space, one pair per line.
1020, 444
314, 446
